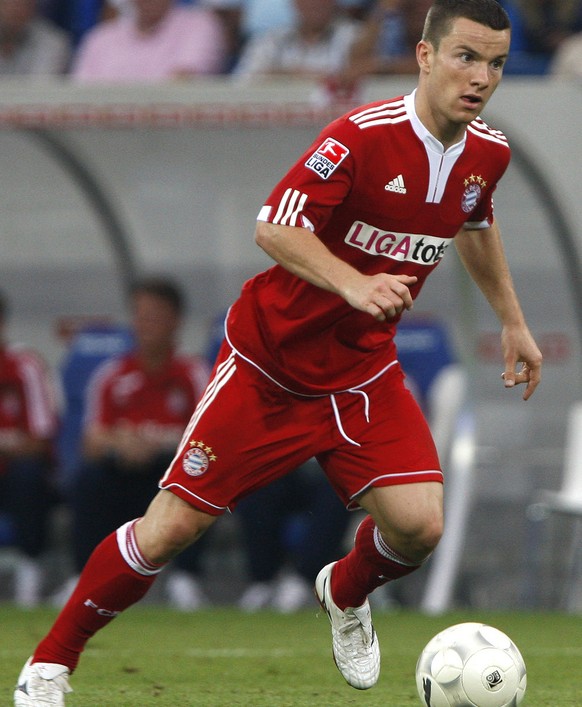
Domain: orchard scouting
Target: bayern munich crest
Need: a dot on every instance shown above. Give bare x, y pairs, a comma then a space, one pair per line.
197, 459
473, 186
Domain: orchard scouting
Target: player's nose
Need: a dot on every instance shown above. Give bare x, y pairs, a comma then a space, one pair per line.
481, 75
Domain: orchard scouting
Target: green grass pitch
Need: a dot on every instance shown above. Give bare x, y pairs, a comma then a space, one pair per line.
223, 658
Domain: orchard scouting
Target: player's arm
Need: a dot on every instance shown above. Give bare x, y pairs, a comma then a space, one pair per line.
483, 255
301, 252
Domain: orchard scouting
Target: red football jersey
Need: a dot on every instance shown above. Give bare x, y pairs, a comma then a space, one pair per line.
27, 394
158, 404
379, 190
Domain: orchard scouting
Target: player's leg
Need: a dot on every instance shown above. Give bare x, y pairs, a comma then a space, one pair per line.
409, 516
210, 471
169, 526
389, 467
28, 499
403, 527
118, 573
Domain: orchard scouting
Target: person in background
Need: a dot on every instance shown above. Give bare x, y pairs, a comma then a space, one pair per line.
76, 17
316, 45
246, 20
290, 529
546, 24
387, 41
137, 407
28, 425
30, 45
158, 40
567, 60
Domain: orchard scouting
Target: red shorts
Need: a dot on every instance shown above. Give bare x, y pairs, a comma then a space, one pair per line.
247, 431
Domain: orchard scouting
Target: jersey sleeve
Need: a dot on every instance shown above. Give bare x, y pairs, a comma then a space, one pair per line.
482, 216
40, 396
497, 155
319, 180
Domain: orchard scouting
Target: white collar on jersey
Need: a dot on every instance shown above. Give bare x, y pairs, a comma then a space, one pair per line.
429, 140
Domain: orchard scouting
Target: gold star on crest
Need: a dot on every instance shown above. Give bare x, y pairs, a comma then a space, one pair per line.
199, 444
475, 179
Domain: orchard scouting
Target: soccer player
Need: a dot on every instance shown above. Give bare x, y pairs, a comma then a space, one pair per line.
309, 366
28, 426
137, 407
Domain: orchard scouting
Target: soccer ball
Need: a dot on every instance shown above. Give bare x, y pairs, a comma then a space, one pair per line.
471, 665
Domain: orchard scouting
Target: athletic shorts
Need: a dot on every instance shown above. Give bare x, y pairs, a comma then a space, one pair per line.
247, 431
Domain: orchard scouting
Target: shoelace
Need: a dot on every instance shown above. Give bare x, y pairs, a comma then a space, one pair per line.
349, 630
52, 688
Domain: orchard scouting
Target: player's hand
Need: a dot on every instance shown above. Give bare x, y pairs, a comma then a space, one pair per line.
519, 347
133, 450
383, 296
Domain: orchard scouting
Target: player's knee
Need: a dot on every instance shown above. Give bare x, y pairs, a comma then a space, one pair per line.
169, 526
416, 539
428, 531
430, 535
169, 539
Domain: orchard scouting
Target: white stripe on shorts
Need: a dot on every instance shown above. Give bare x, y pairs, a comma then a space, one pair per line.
223, 374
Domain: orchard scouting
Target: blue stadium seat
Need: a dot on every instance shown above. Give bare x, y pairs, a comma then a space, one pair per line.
424, 351
90, 347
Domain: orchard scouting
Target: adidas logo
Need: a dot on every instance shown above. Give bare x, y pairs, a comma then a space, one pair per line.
396, 185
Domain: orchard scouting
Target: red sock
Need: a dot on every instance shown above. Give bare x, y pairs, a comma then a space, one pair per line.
115, 577
369, 565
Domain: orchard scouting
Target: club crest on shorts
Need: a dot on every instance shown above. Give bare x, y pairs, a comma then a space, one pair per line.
327, 158
196, 460
473, 187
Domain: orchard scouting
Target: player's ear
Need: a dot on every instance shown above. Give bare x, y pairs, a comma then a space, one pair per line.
424, 54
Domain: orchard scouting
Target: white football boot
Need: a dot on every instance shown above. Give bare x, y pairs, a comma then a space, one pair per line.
354, 641
42, 684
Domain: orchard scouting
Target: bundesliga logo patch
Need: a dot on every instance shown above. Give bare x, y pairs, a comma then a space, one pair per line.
327, 158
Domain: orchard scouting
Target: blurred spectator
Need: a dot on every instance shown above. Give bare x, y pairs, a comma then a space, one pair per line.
157, 40
28, 424
547, 23
138, 405
76, 17
244, 20
291, 528
387, 42
247, 19
567, 60
316, 45
29, 43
